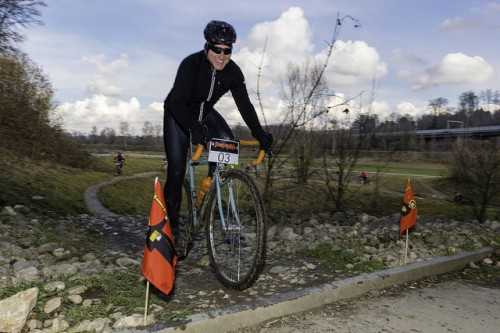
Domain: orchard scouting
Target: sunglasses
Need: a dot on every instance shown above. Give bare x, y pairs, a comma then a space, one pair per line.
219, 50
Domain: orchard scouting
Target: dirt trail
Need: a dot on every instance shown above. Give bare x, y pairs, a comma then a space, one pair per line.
92, 201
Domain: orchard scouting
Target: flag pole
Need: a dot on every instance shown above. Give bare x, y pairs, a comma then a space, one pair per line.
406, 247
146, 304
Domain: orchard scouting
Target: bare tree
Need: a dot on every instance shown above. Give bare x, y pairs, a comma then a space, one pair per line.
15, 14
108, 135
124, 132
305, 91
475, 168
340, 163
148, 132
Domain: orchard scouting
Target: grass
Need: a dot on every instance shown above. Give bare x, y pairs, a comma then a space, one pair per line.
63, 188
131, 197
121, 290
340, 259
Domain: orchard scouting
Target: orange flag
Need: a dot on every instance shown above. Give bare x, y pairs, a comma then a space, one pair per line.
158, 263
409, 211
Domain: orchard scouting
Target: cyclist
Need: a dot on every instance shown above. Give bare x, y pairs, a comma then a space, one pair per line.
120, 157
189, 115
363, 177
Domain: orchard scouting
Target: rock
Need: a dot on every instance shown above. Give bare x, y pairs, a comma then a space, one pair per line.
47, 247
54, 285
132, 321
14, 310
77, 290
8, 211
27, 274
75, 299
97, 325
127, 262
488, 261
52, 305
59, 325
278, 269
21, 209
34, 324
60, 269
60, 252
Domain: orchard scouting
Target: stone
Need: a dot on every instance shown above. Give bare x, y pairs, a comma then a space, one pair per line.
14, 311
97, 325
27, 274
488, 261
132, 321
60, 269
76, 290
75, 299
278, 269
127, 262
52, 304
59, 325
34, 324
8, 211
54, 285
47, 247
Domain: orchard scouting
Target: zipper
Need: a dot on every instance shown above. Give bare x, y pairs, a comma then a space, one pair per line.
210, 93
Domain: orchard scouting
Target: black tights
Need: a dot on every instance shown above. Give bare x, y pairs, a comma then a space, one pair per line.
176, 143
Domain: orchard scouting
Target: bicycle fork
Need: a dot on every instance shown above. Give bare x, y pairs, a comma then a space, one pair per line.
235, 223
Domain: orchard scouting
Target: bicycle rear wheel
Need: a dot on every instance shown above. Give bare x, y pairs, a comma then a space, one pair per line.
236, 230
186, 221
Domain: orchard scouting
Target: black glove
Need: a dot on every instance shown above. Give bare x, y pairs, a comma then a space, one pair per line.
265, 142
199, 134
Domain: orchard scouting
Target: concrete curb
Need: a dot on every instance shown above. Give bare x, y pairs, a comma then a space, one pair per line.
293, 302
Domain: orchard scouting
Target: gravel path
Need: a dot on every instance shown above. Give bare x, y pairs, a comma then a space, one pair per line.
448, 305
92, 200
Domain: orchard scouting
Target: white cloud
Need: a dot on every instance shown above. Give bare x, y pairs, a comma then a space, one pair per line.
454, 68
407, 108
353, 63
274, 45
459, 23
103, 111
111, 68
98, 85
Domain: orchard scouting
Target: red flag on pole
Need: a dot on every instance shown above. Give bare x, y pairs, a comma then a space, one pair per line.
158, 263
409, 211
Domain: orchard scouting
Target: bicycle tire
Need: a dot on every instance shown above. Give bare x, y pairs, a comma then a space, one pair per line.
186, 219
118, 170
238, 251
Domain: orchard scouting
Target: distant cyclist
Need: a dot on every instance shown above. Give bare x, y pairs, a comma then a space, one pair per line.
189, 114
120, 157
364, 178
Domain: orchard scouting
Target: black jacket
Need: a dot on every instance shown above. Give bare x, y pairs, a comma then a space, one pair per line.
193, 92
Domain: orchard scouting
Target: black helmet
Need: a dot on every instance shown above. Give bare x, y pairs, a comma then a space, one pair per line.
219, 32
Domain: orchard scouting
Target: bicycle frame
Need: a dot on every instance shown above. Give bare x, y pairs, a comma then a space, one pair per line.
193, 162
215, 179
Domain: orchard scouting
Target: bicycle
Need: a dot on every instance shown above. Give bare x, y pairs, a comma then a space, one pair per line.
118, 168
232, 215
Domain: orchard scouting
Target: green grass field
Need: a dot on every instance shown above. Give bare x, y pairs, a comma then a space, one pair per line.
63, 188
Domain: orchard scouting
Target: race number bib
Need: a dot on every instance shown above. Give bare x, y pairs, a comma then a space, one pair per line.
224, 151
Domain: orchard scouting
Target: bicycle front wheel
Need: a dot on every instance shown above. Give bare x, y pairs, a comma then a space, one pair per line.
236, 230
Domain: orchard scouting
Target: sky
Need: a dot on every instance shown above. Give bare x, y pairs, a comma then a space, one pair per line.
112, 61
